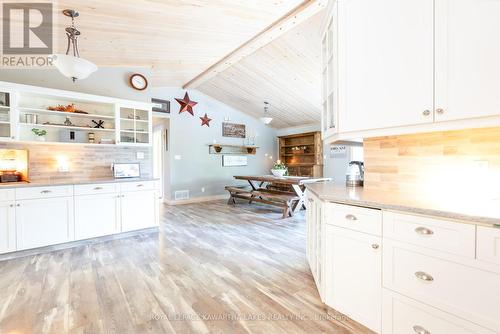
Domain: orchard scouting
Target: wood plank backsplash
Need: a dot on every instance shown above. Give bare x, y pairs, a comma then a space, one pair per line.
85, 162
447, 163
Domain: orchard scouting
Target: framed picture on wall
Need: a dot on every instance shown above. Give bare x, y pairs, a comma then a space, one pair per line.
234, 160
233, 130
162, 106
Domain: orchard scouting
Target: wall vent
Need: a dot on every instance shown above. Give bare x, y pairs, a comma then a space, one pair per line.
181, 194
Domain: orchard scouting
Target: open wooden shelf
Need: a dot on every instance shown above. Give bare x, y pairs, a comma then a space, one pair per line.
62, 113
302, 154
231, 149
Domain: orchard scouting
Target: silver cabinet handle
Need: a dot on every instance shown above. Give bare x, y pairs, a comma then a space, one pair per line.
424, 276
98, 188
375, 246
12, 205
424, 231
440, 111
45, 192
140, 185
426, 112
351, 217
420, 330
18, 205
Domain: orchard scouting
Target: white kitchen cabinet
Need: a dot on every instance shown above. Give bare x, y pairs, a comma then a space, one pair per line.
353, 275
139, 209
488, 244
97, 215
386, 63
42, 222
467, 54
7, 227
314, 239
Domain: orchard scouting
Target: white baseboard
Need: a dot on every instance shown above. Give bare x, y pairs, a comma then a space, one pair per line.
196, 199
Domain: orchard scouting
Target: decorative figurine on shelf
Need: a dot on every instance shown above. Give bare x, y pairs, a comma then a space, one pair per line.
279, 169
39, 134
99, 124
91, 137
68, 122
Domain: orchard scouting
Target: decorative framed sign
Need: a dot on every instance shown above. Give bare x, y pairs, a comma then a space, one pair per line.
234, 160
337, 150
162, 106
233, 130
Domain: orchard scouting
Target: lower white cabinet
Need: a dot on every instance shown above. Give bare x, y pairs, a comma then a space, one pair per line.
353, 274
42, 222
403, 315
97, 215
7, 227
139, 209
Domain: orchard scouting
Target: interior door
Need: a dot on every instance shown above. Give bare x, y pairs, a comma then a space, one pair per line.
467, 59
386, 60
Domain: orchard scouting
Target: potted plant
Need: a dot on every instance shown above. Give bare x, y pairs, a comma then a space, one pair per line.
39, 134
279, 169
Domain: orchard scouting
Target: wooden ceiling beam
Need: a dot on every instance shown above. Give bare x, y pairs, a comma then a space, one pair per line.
290, 20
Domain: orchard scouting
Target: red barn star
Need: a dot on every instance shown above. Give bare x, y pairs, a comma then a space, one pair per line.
205, 120
186, 104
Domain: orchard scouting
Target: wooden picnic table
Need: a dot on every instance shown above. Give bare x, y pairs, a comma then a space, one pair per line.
297, 183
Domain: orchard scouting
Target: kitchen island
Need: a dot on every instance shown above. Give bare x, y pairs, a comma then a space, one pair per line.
406, 262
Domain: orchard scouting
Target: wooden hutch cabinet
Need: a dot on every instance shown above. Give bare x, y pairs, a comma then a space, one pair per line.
302, 154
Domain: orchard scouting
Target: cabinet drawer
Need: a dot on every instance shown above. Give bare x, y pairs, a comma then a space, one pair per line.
488, 244
43, 192
354, 218
461, 288
441, 235
404, 315
93, 189
136, 186
7, 194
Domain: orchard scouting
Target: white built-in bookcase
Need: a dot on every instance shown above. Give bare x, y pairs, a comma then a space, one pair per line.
23, 108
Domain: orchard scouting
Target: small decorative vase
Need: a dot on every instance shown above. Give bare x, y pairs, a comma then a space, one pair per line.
278, 172
217, 148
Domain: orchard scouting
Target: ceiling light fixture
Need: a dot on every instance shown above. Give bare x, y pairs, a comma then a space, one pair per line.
266, 119
73, 66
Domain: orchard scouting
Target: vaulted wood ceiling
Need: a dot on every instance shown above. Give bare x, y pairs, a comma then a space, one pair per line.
285, 73
179, 39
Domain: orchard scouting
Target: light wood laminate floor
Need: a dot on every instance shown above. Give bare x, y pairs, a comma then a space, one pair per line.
212, 268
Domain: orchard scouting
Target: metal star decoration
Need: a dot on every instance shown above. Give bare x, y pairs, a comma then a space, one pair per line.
205, 120
186, 104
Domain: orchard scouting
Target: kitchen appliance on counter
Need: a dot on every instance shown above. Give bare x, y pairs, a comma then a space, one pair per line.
355, 174
129, 170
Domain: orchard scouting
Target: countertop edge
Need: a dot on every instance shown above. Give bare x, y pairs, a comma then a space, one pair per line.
71, 182
476, 220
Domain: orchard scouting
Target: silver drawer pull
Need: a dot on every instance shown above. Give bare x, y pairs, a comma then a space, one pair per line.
98, 188
351, 217
424, 276
45, 192
420, 330
375, 246
424, 231
140, 185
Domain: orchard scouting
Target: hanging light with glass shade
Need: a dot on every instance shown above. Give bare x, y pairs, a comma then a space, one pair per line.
266, 119
72, 66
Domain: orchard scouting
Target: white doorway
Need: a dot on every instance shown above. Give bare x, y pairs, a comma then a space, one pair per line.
161, 165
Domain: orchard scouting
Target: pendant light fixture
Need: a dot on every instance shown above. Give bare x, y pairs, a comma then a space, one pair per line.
266, 119
72, 66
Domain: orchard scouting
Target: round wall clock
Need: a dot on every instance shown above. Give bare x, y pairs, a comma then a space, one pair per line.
138, 81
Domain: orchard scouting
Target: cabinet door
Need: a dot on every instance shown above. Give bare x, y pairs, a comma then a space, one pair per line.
43, 222
7, 227
96, 215
353, 275
386, 60
139, 210
311, 234
467, 54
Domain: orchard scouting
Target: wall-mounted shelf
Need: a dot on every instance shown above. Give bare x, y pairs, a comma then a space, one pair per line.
231, 149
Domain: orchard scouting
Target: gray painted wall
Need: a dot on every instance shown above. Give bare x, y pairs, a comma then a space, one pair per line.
107, 81
197, 169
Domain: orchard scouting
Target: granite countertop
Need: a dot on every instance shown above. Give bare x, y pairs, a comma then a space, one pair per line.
71, 181
471, 208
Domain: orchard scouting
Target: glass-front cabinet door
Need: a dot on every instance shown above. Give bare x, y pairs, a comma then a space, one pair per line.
329, 76
5, 115
135, 126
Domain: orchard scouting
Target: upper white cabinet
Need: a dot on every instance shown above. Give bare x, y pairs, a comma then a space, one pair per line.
6, 131
467, 59
385, 63
406, 66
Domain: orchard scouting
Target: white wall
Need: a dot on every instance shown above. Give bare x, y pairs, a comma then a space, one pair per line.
198, 169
